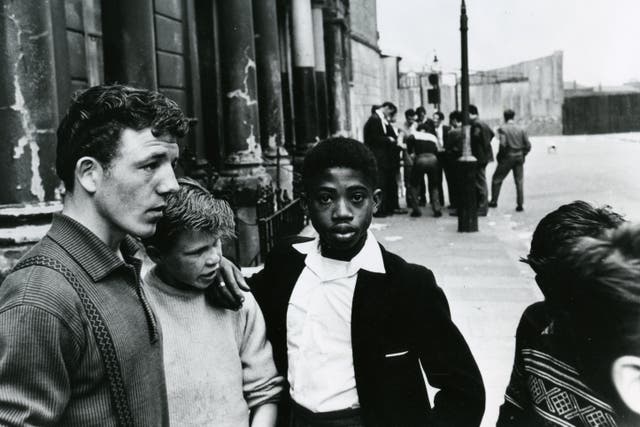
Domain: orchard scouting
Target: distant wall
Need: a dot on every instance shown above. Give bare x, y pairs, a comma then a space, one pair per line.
600, 113
534, 89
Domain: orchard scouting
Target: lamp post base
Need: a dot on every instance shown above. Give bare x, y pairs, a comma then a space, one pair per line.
467, 198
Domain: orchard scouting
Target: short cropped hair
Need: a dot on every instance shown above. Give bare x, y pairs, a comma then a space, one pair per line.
439, 114
455, 115
509, 114
339, 152
410, 112
558, 231
192, 208
473, 109
606, 307
421, 110
97, 116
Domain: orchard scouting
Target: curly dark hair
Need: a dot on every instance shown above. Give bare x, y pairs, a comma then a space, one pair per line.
97, 116
339, 152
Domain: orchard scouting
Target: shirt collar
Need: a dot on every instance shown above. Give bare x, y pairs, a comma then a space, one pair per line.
369, 258
95, 257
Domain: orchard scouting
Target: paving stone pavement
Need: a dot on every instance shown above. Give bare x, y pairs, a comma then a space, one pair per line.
486, 285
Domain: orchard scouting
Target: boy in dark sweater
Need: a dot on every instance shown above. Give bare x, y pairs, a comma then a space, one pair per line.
546, 388
351, 324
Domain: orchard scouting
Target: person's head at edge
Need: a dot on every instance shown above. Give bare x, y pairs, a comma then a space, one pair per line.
117, 147
186, 246
340, 194
554, 237
606, 313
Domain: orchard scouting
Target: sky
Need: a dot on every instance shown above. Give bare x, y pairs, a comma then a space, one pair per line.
600, 39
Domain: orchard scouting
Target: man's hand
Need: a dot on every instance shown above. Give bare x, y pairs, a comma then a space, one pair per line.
227, 291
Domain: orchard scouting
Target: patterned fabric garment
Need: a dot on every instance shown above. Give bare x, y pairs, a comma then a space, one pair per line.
545, 388
559, 396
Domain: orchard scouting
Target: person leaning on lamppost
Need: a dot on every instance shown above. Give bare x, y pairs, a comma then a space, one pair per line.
452, 152
514, 147
481, 136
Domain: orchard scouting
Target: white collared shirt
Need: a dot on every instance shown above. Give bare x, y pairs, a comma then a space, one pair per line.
440, 135
321, 373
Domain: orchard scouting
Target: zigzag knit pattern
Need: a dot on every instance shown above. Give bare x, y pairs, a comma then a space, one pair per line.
101, 334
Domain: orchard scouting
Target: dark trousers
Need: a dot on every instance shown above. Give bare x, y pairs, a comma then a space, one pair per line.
406, 175
389, 186
426, 164
506, 165
302, 417
482, 190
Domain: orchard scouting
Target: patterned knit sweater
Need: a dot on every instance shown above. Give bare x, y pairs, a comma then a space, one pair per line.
545, 388
218, 363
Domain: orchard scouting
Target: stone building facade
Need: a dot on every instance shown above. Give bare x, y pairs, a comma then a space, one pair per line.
266, 79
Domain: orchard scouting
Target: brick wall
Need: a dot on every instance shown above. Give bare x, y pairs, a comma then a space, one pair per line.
366, 87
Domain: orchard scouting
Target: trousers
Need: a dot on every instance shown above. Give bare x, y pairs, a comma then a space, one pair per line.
302, 417
426, 164
506, 165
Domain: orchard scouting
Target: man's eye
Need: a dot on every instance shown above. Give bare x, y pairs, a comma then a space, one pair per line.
151, 166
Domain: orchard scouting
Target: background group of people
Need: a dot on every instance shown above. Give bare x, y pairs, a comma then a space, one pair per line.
428, 146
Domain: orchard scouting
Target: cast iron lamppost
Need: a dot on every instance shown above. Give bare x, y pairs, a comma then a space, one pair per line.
467, 164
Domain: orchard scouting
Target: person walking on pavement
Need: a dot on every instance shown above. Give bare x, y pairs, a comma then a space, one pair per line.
481, 136
382, 140
514, 147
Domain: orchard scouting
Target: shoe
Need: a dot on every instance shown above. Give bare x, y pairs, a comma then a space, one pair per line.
493, 204
482, 212
416, 213
379, 215
400, 211
453, 212
437, 214
519, 209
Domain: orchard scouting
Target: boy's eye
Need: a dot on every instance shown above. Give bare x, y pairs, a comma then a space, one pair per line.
324, 198
357, 197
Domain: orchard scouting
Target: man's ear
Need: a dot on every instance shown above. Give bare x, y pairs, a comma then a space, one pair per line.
625, 374
377, 199
88, 173
153, 253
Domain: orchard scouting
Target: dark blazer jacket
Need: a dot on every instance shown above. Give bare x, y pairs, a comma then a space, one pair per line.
393, 313
385, 152
481, 136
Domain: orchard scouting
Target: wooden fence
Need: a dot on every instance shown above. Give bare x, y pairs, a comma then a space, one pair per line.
601, 113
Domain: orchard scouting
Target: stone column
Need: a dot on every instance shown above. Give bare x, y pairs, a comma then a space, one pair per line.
304, 84
34, 93
337, 78
320, 66
129, 43
265, 20
244, 173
